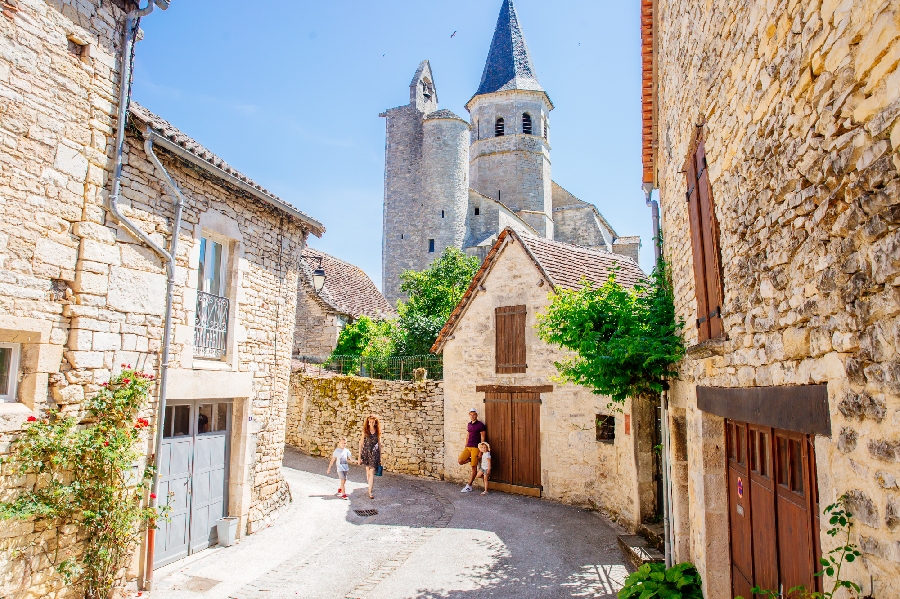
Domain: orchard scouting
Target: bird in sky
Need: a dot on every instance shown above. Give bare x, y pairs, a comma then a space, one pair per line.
454, 35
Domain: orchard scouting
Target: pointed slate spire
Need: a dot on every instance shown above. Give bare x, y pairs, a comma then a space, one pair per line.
508, 63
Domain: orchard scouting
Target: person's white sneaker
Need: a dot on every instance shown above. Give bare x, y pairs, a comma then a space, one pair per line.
467, 489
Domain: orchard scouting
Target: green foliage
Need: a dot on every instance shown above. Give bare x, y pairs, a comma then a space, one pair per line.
626, 341
841, 521
84, 478
654, 581
433, 294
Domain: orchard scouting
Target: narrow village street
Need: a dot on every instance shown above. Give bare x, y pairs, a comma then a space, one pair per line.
428, 540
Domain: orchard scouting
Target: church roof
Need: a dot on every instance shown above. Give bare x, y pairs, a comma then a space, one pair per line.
348, 290
508, 63
443, 113
563, 265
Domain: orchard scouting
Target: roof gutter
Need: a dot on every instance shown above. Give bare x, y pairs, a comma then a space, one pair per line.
315, 227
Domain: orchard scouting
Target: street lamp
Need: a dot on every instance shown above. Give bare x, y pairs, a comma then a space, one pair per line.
318, 279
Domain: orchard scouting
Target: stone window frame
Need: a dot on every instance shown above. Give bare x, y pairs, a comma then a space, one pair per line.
38, 358
216, 226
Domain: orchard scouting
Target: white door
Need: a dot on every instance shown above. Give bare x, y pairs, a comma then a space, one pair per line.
193, 475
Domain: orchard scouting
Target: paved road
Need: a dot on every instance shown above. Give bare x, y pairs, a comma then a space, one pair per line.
428, 541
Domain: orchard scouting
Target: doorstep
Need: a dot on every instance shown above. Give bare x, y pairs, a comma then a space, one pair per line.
638, 551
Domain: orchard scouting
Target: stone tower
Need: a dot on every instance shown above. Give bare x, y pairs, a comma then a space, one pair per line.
510, 148
426, 182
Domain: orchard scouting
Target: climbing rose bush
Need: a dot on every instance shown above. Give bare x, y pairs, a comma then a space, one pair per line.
85, 477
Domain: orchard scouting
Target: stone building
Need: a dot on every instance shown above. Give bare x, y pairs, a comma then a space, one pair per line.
347, 294
81, 292
559, 441
453, 183
771, 133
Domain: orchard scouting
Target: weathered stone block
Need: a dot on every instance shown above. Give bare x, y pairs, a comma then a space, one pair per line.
137, 291
57, 254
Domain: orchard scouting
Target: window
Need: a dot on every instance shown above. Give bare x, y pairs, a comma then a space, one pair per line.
510, 339
606, 428
477, 211
177, 422
211, 322
9, 371
705, 242
212, 417
498, 128
546, 128
526, 124
442, 214
430, 245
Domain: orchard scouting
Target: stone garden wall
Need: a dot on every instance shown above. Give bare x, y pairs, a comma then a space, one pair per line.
323, 408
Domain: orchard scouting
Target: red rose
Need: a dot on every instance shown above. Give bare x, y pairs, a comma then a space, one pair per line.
152, 495
105, 443
32, 419
126, 381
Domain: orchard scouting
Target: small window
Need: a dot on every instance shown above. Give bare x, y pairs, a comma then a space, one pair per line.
442, 214
431, 245
211, 262
606, 428
477, 211
177, 422
498, 128
211, 322
76, 49
212, 417
9, 371
546, 128
526, 124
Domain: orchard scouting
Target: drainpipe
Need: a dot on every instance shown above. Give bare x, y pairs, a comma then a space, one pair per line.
668, 533
132, 20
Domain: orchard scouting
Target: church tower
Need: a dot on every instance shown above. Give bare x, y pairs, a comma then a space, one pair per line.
509, 156
426, 183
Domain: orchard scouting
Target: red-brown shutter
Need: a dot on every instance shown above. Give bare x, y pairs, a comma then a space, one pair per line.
510, 339
705, 244
710, 247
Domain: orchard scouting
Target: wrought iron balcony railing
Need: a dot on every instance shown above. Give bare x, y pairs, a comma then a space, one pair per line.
211, 325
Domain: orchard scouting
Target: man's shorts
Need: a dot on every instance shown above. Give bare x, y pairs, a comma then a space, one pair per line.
469, 454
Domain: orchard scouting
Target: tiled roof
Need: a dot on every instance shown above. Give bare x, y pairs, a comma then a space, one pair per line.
563, 264
508, 63
443, 113
215, 164
347, 288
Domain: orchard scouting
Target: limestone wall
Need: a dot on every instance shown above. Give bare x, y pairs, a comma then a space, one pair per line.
323, 408
800, 100
575, 467
445, 195
317, 326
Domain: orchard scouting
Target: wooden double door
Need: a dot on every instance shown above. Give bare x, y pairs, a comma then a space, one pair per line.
773, 508
513, 423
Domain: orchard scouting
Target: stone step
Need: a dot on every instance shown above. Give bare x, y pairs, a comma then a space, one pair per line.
654, 533
638, 551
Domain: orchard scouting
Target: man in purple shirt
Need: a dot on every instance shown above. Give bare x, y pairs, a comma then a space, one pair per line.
477, 433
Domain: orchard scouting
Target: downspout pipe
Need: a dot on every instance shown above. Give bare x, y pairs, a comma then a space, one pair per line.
668, 532
132, 19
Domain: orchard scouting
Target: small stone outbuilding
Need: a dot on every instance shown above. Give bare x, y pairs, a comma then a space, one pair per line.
550, 439
347, 294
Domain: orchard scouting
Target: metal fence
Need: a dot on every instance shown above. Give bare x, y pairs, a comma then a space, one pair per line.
395, 368
211, 325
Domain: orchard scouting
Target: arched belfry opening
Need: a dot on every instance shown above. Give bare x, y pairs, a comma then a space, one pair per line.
526, 123
499, 130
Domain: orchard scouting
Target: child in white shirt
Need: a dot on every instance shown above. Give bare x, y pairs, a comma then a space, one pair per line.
484, 464
342, 456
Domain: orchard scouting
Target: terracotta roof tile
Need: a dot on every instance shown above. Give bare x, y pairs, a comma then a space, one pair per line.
347, 288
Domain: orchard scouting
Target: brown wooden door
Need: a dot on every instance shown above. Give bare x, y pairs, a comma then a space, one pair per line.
762, 506
739, 509
795, 518
513, 423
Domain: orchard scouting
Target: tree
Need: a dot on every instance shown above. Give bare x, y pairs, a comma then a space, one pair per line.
625, 341
433, 294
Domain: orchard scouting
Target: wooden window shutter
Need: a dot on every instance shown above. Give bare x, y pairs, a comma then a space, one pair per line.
510, 339
705, 245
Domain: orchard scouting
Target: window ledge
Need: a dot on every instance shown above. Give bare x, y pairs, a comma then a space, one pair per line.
201, 364
707, 349
14, 408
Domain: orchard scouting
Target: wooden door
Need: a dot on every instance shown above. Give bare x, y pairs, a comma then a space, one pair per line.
739, 509
762, 505
175, 461
795, 518
209, 473
513, 423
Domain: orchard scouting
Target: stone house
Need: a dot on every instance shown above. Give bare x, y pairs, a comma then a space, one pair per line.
81, 292
347, 294
548, 439
771, 132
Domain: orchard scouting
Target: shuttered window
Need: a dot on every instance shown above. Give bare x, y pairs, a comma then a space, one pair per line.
510, 341
705, 243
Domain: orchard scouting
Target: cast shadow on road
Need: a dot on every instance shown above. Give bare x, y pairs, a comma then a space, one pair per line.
512, 546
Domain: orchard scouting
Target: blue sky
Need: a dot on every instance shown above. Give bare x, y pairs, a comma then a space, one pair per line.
289, 92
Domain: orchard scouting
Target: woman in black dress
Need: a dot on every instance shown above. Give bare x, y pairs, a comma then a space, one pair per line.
370, 449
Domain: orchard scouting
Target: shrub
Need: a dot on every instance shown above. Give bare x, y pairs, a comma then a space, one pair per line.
654, 581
